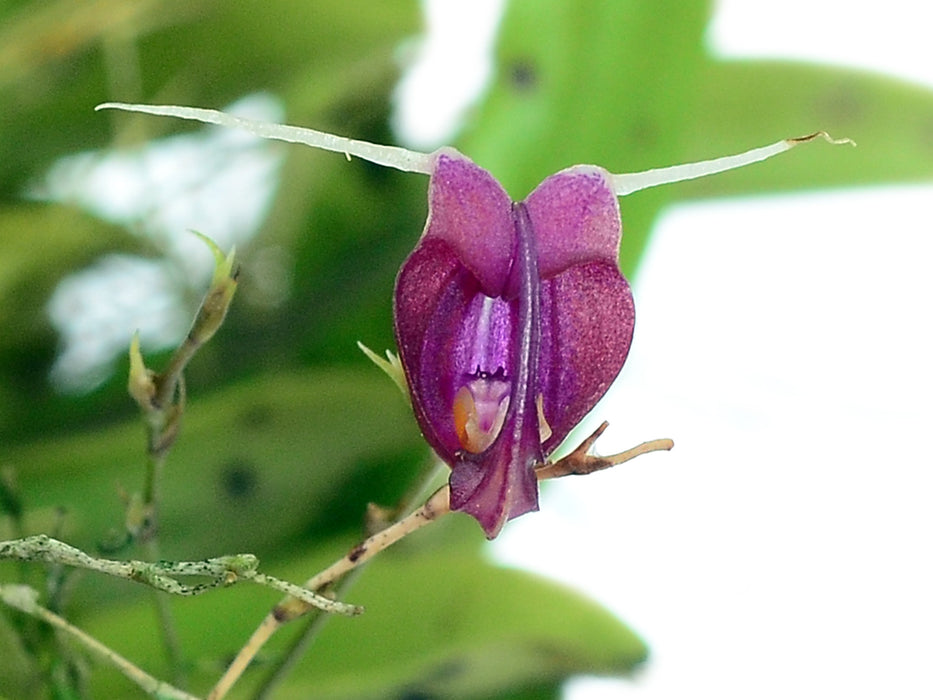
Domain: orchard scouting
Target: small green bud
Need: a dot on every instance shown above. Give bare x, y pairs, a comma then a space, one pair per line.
223, 286
392, 366
141, 384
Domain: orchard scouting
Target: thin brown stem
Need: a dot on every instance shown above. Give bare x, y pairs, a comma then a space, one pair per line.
24, 599
577, 462
580, 462
377, 519
290, 608
305, 640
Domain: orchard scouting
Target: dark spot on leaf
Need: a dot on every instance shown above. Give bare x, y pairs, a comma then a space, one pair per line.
432, 684
256, 416
643, 134
523, 75
842, 105
239, 479
380, 478
447, 671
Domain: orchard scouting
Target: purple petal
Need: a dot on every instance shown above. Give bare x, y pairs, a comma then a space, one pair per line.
444, 336
576, 219
587, 321
431, 293
495, 490
588, 314
470, 211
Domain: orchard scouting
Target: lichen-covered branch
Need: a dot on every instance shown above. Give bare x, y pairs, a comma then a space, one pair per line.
163, 575
577, 462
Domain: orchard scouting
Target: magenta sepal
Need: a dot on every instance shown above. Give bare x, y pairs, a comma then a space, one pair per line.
521, 309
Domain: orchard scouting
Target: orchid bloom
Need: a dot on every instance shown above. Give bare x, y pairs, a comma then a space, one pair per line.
512, 318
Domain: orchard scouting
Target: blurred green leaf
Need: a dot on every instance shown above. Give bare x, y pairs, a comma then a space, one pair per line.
40, 244
280, 459
630, 85
741, 104
29, 271
443, 625
257, 465
18, 667
597, 82
612, 84
466, 629
58, 59
331, 67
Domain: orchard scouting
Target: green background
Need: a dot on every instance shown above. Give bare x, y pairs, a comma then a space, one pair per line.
289, 431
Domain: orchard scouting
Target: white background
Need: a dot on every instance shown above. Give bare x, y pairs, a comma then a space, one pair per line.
783, 548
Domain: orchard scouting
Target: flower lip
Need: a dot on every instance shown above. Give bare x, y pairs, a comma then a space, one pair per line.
479, 410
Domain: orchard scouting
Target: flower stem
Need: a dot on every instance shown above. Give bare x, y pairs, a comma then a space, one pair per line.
578, 462
375, 517
24, 599
162, 398
291, 608
305, 640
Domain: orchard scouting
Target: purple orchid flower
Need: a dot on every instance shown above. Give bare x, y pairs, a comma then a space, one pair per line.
512, 318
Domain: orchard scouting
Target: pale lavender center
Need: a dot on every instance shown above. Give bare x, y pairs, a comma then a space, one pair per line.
487, 331
480, 389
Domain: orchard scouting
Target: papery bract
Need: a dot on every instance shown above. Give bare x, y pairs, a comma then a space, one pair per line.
512, 320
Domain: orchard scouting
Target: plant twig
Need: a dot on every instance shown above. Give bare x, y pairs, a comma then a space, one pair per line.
305, 640
580, 462
162, 398
577, 462
25, 599
377, 518
290, 608
163, 575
